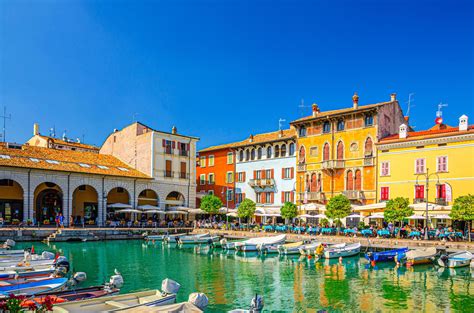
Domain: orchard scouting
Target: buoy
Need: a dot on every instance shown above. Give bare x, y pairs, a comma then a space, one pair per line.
372, 263
340, 259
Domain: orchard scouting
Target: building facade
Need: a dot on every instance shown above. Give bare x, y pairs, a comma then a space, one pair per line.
444, 153
336, 150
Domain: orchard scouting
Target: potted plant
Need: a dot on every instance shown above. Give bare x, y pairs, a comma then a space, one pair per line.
15, 221
29, 222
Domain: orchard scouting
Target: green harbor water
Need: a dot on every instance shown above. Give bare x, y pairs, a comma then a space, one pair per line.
287, 283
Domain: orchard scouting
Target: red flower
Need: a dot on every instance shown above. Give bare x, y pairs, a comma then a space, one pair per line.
32, 306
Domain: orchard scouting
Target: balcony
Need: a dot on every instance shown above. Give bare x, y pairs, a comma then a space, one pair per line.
333, 164
441, 201
268, 182
313, 196
301, 167
168, 173
184, 175
183, 153
168, 150
353, 194
368, 161
418, 200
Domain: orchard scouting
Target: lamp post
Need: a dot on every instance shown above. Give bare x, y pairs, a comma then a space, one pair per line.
427, 177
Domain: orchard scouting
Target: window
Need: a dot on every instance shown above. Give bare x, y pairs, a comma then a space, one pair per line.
102, 167
277, 151
287, 196
313, 151
34, 160
340, 151
358, 180
384, 193
247, 155
441, 191
229, 194
302, 131
210, 192
326, 127
292, 149
368, 147
5, 157
183, 148
183, 171
385, 169
84, 165
230, 158
202, 179
340, 125
268, 173
257, 174
326, 152
239, 197
302, 154
211, 160
420, 192
349, 181
123, 169
168, 169
283, 150
287, 173
202, 161
258, 196
241, 177
52, 162
241, 155
268, 197
269, 152
259, 153
369, 120
211, 178
229, 177
169, 146
442, 164
252, 155
419, 166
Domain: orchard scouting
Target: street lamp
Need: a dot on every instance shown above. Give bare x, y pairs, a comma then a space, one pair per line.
427, 177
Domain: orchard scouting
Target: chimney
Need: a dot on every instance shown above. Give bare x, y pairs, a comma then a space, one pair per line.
402, 134
36, 129
355, 101
393, 97
407, 119
281, 133
251, 138
174, 130
315, 109
78, 140
463, 123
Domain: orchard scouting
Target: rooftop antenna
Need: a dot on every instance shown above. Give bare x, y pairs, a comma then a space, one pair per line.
52, 132
64, 135
280, 123
134, 117
439, 113
301, 107
409, 102
5, 117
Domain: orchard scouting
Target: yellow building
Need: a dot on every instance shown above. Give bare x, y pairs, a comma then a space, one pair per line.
443, 152
336, 152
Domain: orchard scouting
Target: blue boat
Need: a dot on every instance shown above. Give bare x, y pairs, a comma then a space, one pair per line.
385, 256
33, 287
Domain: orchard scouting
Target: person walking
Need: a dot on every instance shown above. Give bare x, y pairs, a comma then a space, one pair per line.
61, 220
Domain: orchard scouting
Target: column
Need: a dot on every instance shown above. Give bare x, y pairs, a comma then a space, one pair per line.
100, 210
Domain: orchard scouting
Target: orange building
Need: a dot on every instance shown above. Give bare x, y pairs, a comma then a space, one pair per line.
336, 152
215, 174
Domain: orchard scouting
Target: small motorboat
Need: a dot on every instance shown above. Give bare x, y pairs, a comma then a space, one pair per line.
344, 251
309, 248
197, 239
254, 244
32, 287
385, 256
28, 272
256, 306
128, 301
419, 256
457, 259
228, 245
290, 248
163, 237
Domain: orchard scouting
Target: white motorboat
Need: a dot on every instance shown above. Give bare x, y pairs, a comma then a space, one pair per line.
229, 245
198, 239
150, 298
30, 287
290, 248
312, 247
458, 259
254, 244
344, 251
420, 256
164, 237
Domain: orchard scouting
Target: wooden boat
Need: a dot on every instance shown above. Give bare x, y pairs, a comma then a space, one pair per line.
32, 287
290, 248
197, 239
27, 272
458, 259
150, 298
164, 237
345, 251
419, 256
254, 244
385, 256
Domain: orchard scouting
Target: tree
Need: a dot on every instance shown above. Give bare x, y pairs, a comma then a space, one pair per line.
289, 210
463, 210
397, 209
211, 204
246, 209
338, 207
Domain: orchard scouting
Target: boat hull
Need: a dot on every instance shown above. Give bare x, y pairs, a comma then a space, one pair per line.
386, 256
347, 251
458, 259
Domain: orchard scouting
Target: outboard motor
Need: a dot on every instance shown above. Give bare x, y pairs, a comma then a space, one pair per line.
256, 305
443, 260
116, 281
77, 278
60, 271
169, 286
223, 242
46, 255
199, 299
9, 243
62, 264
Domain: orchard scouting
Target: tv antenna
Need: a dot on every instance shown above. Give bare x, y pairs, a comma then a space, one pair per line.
409, 102
280, 123
301, 107
5, 118
134, 117
439, 113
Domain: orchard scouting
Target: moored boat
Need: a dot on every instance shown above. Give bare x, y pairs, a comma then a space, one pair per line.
198, 239
385, 256
290, 248
33, 287
344, 251
457, 259
419, 256
254, 244
309, 248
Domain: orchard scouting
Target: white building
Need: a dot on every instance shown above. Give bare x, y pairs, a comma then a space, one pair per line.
265, 170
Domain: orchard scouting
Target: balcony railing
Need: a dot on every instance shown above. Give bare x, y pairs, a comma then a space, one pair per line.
184, 175
266, 182
169, 173
419, 200
353, 194
313, 196
368, 161
184, 153
168, 150
441, 201
301, 167
333, 164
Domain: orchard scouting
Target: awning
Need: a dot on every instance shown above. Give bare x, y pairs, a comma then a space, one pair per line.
305, 216
173, 212
180, 208
319, 216
416, 217
232, 214
153, 211
196, 211
128, 211
148, 207
368, 207
311, 207
375, 216
441, 217
119, 206
175, 202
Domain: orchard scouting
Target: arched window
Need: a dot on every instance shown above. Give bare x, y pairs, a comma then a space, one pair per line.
314, 183
340, 125
269, 152
326, 127
247, 155
252, 155
259, 153
302, 155
241, 155
302, 131
368, 148
349, 181
283, 151
292, 149
308, 185
358, 180
326, 152
277, 151
340, 151
319, 186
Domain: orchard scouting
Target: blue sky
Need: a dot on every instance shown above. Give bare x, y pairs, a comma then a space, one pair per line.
221, 70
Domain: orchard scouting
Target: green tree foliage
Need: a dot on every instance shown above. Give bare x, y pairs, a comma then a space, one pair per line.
289, 210
211, 204
246, 209
463, 210
338, 207
397, 209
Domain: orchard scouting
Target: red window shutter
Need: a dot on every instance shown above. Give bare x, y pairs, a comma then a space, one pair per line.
243, 196
243, 178
292, 173
262, 197
272, 197
236, 177
292, 196
273, 173
262, 174
283, 173
282, 197
443, 191
254, 174
173, 144
164, 143
187, 147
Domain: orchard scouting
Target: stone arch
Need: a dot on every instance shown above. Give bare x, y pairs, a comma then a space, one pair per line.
326, 151
269, 152
283, 150
48, 202
148, 196
358, 180
349, 180
314, 182
85, 205
252, 154
302, 154
12, 199
291, 150
277, 151
340, 150
175, 198
368, 147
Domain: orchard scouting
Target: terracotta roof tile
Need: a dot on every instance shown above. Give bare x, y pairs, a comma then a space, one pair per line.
257, 139
433, 132
69, 143
66, 161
